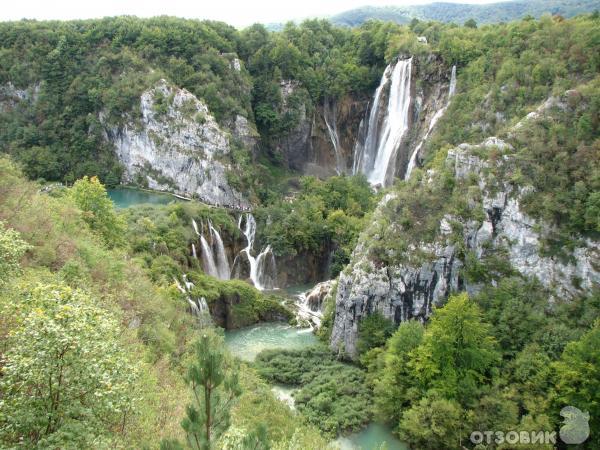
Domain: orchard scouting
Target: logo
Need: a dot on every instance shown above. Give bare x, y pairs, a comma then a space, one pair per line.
576, 428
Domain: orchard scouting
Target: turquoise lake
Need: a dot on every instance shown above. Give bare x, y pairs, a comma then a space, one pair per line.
125, 197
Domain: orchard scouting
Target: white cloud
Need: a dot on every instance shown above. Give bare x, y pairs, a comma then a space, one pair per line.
235, 12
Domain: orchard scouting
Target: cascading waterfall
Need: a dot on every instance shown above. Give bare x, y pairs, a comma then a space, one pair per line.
222, 263
198, 306
214, 258
413, 158
306, 314
208, 258
331, 122
381, 143
259, 266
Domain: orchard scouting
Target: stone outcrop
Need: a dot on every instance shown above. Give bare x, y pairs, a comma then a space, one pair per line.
411, 290
176, 146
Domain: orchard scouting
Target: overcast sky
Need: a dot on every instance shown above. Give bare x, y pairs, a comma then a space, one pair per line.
236, 12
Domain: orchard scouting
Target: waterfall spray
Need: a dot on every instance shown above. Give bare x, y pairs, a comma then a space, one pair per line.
383, 141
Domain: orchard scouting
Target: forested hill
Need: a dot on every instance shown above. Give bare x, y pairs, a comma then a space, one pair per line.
460, 13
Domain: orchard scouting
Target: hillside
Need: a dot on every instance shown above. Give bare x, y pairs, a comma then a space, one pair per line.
460, 13
320, 237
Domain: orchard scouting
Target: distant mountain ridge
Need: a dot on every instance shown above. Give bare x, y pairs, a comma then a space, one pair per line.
459, 13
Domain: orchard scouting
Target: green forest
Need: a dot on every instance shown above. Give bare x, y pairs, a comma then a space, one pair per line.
98, 346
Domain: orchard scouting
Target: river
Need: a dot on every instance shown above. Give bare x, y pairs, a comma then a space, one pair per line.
246, 343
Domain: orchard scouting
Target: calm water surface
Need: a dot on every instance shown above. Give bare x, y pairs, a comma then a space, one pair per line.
125, 197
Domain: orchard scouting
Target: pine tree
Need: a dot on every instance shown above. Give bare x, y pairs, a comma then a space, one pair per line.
215, 387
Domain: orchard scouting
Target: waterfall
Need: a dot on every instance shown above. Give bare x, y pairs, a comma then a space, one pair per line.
194, 254
413, 158
222, 263
198, 306
262, 276
195, 225
452, 88
329, 115
208, 258
382, 141
306, 314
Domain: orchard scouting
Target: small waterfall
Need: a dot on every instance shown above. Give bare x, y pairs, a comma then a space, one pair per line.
222, 263
382, 141
262, 268
198, 306
214, 258
413, 158
329, 114
306, 314
208, 258
452, 88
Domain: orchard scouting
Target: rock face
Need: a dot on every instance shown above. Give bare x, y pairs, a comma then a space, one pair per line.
322, 142
410, 291
10, 96
176, 146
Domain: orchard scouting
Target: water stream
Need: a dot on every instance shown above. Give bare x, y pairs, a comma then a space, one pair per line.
382, 140
413, 158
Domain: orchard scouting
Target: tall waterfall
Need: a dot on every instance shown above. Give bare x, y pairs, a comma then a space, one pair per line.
262, 267
382, 141
439, 113
329, 115
222, 263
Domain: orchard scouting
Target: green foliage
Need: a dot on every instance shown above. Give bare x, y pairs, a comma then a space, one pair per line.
215, 388
373, 331
12, 249
98, 210
434, 423
458, 352
394, 386
324, 217
578, 375
331, 395
80, 383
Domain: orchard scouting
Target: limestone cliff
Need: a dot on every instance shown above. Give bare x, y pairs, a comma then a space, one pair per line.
177, 146
427, 271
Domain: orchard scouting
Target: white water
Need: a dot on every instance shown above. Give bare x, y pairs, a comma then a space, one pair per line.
208, 258
258, 266
195, 225
413, 158
382, 142
198, 306
194, 254
330, 121
306, 314
222, 262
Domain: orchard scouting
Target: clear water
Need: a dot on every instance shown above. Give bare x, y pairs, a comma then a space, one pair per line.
126, 197
246, 343
372, 438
